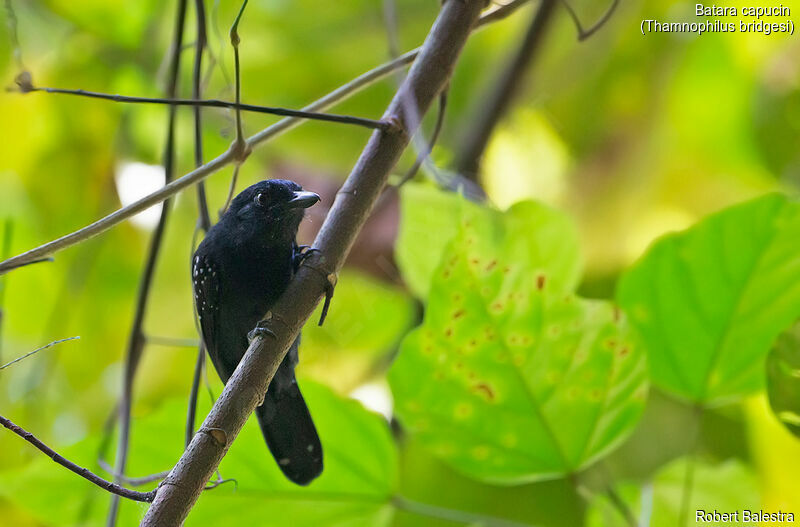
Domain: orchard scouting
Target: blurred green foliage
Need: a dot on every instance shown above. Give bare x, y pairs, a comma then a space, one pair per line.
783, 379
727, 487
620, 140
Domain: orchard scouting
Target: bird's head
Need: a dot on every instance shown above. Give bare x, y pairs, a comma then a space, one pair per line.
273, 208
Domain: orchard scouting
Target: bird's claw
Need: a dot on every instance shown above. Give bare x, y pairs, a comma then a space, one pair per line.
330, 285
261, 330
301, 255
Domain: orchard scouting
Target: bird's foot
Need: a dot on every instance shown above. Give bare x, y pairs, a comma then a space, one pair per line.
261, 330
301, 254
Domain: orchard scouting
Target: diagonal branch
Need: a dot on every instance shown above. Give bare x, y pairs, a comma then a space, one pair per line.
227, 157
244, 390
493, 108
81, 471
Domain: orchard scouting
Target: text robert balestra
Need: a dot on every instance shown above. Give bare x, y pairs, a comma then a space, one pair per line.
743, 516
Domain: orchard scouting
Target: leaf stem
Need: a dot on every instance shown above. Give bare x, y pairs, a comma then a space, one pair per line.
452, 515
688, 478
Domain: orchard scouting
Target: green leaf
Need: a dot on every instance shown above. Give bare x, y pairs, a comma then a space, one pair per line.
727, 487
427, 223
429, 220
783, 379
367, 320
510, 378
354, 489
710, 301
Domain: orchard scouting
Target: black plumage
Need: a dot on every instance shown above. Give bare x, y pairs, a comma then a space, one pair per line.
239, 270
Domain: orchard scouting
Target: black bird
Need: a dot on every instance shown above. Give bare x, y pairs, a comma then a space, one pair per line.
239, 270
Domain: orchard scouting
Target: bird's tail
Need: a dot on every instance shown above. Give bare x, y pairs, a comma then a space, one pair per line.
290, 433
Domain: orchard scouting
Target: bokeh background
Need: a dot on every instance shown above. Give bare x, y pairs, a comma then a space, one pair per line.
631, 136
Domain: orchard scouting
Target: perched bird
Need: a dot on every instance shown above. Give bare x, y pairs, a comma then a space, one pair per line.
239, 270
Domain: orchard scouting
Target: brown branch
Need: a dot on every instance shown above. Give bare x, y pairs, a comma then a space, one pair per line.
136, 339
227, 157
245, 389
81, 471
493, 108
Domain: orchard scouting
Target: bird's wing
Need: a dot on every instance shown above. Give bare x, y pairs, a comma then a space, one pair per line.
205, 281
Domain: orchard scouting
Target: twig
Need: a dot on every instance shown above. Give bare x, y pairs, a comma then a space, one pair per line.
227, 157
134, 482
215, 103
37, 350
191, 414
423, 155
500, 12
451, 515
81, 471
136, 339
231, 189
41, 253
191, 410
204, 218
220, 481
493, 108
244, 390
234, 34
583, 34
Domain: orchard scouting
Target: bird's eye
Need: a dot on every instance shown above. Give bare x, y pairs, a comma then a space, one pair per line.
261, 199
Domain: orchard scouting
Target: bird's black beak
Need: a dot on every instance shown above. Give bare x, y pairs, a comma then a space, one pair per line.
303, 199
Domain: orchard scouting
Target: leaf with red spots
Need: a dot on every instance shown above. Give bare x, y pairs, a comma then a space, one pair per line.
430, 219
511, 378
710, 301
